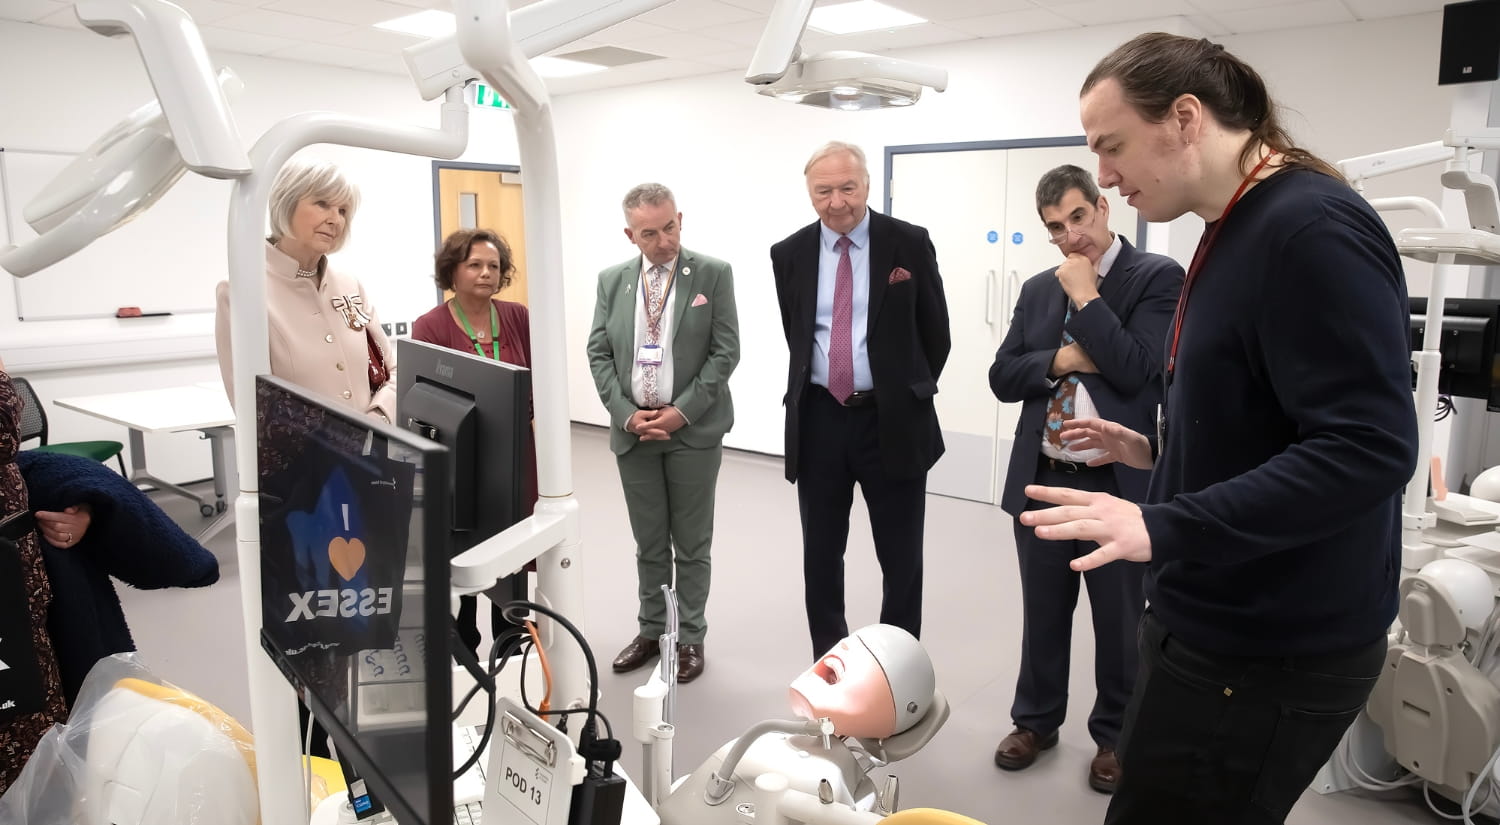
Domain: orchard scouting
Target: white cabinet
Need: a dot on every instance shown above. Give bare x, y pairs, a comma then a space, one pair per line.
980, 207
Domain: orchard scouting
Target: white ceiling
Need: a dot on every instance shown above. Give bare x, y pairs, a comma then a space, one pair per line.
697, 37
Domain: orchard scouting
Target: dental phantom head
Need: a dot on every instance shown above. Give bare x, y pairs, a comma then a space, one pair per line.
875, 683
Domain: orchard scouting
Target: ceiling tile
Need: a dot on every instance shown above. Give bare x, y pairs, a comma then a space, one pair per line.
1096, 12
387, 64
31, 11
1316, 13
281, 24
1375, 9
209, 11
745, 33
1221, 6
761, 6
736, 58
922, 34
628, 31
243, 42
1011, 23
376, 40
326, 55
689, 15
680, 45
938, 11
358, 12
1207, 25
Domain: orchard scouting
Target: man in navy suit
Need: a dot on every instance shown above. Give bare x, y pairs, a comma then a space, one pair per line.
866, 327
1086, 341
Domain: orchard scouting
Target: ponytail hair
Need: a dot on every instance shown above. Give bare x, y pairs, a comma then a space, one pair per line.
1155, 69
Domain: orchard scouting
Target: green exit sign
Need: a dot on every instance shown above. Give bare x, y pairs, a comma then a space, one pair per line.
486, 96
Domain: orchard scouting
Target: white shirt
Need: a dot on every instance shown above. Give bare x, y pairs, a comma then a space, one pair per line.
1083, 405
663, 370
859, 322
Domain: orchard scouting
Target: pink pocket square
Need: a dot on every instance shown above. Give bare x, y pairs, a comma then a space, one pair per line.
898, 275
699, 300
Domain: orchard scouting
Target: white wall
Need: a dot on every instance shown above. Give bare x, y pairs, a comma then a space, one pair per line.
733, 157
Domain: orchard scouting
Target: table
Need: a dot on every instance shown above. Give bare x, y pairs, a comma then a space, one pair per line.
203, 407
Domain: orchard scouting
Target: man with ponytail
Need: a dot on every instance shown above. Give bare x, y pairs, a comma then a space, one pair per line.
1272, 522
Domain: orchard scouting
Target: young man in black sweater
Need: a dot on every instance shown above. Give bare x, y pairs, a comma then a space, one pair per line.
1272, 521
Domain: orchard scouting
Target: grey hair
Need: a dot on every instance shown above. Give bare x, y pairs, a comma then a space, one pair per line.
1057, 182
646, 194
303, 179
836, 147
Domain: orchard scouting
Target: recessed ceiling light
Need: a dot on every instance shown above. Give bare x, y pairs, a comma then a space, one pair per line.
561, 67
860, 16
430, 23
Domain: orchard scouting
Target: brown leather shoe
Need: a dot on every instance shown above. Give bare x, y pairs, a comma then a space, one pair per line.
1020, 748
1104, 771
689, 663
640, 651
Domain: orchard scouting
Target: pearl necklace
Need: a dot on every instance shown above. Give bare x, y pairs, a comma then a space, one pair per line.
306, 273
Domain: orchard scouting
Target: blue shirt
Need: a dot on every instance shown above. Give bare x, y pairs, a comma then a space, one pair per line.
859, 325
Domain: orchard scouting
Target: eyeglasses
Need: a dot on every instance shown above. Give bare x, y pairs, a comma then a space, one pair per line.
1074, 226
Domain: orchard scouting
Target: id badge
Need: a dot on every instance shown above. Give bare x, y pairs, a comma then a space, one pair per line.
649, 355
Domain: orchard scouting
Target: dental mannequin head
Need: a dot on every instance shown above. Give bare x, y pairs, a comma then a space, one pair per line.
876, 682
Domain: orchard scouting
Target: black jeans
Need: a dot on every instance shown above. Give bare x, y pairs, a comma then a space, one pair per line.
1231, 739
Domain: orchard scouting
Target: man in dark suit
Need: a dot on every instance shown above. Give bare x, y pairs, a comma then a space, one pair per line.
1086, 341
866, 325
664, 343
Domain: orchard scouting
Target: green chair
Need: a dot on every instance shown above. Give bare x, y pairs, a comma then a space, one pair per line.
34, 425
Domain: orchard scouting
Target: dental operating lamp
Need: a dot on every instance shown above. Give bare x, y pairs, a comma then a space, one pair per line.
845, 80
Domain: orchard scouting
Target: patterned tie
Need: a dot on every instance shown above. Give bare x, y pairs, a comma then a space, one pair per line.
1060, 407
840, 347
655, 308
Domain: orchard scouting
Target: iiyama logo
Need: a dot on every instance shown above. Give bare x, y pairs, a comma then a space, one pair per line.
1468, 70
444, 370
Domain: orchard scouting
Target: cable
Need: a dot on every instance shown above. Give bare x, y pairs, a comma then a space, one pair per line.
1485, 776
1428, 797
1445, 407
541, 657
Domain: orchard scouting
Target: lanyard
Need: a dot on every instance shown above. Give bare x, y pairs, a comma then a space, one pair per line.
494, 330
653, 320
1199, 257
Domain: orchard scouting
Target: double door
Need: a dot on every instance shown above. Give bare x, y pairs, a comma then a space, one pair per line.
979, 204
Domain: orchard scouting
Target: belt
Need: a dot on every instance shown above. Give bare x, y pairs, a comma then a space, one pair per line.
863, 398
1062, 465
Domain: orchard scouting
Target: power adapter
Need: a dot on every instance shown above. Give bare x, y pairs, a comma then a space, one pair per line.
599, 799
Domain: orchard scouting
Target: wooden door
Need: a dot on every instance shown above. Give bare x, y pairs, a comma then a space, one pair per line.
485, 198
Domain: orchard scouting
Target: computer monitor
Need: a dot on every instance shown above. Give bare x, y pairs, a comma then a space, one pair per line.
355, 589
1468, 343
480, 410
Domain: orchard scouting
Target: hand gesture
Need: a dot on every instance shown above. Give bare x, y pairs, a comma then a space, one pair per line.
1119, 442
1079, 278
1114, 523
659, 424
64, 529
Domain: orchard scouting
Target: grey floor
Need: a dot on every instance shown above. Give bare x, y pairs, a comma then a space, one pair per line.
758, 642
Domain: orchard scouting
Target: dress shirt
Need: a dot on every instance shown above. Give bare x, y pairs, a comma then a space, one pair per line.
828, 267
664, 370
1083, 405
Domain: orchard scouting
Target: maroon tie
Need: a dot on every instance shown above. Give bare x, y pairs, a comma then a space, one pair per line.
840, 347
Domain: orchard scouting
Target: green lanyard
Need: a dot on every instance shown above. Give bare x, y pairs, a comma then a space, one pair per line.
494, 330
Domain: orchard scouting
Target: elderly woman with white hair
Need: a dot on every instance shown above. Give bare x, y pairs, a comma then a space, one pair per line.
324, 334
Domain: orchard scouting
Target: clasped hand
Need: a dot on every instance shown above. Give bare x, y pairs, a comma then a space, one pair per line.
655, 425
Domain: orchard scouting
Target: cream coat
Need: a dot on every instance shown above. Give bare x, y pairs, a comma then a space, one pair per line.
312, 341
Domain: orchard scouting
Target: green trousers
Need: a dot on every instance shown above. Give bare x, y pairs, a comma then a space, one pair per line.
669, 493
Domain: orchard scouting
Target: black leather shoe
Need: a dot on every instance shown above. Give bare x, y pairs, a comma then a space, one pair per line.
640, 651
1020, 748
1104, 771
689, 663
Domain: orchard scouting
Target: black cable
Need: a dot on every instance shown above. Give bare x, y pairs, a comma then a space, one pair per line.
1445, 407
590, 747
510, 612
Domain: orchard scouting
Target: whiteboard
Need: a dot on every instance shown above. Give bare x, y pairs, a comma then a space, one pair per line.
166, 260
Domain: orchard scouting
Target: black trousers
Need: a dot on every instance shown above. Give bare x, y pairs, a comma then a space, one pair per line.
840, 446
1232, 739
1049, 596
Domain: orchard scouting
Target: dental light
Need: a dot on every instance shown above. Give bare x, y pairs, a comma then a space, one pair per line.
845, 80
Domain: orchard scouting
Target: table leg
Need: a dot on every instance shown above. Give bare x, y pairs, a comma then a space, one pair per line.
139, 475
225, 478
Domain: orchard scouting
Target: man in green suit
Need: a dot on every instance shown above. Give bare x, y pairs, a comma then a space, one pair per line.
664, 342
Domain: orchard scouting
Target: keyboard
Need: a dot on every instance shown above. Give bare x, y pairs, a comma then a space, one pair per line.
468, 789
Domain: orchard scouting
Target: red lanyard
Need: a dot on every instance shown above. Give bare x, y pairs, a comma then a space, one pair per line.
1199, 256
